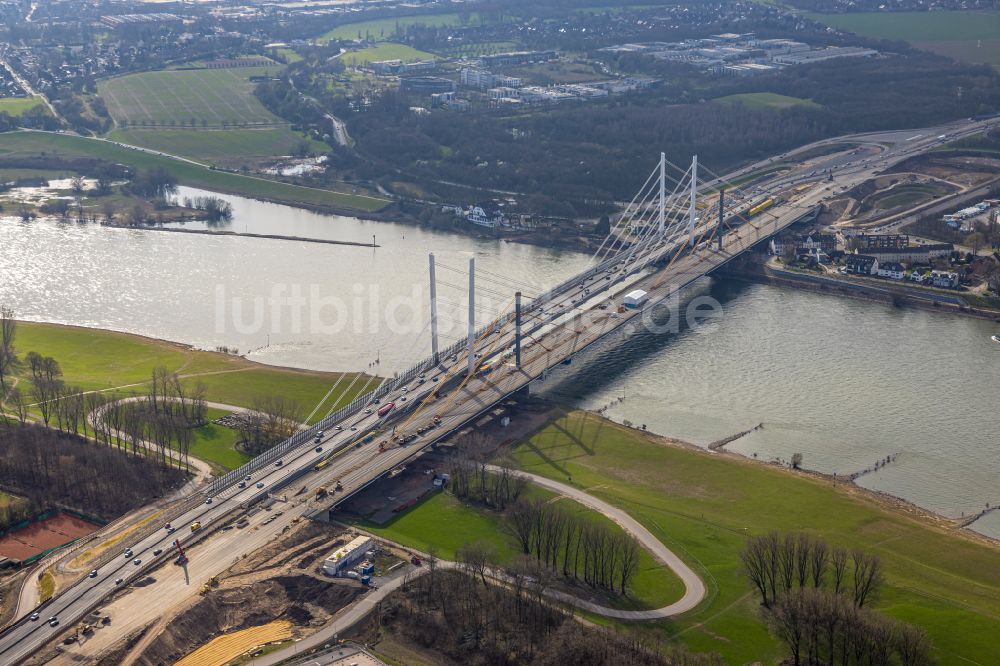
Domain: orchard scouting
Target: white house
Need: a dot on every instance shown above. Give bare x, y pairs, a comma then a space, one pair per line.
891, 270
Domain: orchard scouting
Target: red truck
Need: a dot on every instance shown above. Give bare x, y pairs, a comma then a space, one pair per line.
385, 409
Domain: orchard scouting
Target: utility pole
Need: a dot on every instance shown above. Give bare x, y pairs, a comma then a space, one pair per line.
472, 315
693, 207
434, 313
663, 191
722, 213
517, 329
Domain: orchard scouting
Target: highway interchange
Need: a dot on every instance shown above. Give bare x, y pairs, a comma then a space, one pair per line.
447, 397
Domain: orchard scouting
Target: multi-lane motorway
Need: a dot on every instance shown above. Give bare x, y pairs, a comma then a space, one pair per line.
446, 397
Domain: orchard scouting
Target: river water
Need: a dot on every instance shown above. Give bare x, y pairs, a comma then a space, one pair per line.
844, 382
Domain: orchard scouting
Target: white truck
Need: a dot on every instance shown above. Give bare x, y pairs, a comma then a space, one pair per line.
635, 299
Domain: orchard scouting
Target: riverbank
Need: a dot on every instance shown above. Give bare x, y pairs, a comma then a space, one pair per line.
704, 504
896, 294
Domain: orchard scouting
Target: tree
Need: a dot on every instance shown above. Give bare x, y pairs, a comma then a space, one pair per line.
867, 576
975, 241
8, 355
796, 460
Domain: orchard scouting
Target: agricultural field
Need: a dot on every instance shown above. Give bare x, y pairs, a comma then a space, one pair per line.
380, 30
16, 106
704, 506
972, 36
444, 524
385, 51
764, 100
16, 144
228, 148
188, 98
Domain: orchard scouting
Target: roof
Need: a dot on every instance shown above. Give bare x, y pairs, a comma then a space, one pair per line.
891, 266
860, 259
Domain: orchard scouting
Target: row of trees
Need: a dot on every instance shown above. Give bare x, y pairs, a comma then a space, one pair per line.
816, 599
823, 627
574, 544
777, 563
569, 542
483, 624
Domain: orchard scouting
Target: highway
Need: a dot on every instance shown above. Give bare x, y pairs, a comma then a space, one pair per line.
445, 398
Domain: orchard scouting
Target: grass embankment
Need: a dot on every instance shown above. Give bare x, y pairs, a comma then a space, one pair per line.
765, 100
228, 148
15, 144
973, 36
443, 524
703, 506
46, 586
17, 106
7, 500
122, 364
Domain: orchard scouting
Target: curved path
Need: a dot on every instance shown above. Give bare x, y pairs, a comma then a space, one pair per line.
694, 588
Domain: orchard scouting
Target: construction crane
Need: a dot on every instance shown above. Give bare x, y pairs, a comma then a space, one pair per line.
181, 557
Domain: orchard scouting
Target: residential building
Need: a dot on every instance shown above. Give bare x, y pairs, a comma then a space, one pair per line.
913, 254
486, 215
891, 270
946, 279
517, 58
885, 241
861, 264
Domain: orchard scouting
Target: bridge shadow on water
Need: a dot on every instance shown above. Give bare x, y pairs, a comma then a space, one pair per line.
603, 365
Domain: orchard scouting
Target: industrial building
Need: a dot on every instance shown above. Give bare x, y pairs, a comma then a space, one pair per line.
342, 558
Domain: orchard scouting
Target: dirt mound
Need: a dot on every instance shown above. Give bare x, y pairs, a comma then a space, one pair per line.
302, 599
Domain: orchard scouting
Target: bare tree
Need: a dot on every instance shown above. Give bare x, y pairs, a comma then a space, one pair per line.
8, 356
838, 562
867, 576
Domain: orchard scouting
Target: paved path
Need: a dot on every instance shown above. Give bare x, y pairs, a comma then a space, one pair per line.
694, 588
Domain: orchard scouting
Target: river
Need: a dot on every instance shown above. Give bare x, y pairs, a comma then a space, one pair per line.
844, 382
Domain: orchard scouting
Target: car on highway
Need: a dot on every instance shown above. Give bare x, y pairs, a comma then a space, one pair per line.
93, 574
33, 617
242, 484
170, 530
53, 621
208, 500
137, 561
260, 484
319, 449
354, 428
128, 552
157, 552
279, 463
247, 477
320, 433
368, 411
119, 581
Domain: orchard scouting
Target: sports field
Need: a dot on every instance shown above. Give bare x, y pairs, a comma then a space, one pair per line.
52, 532
192, 98
973, 36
